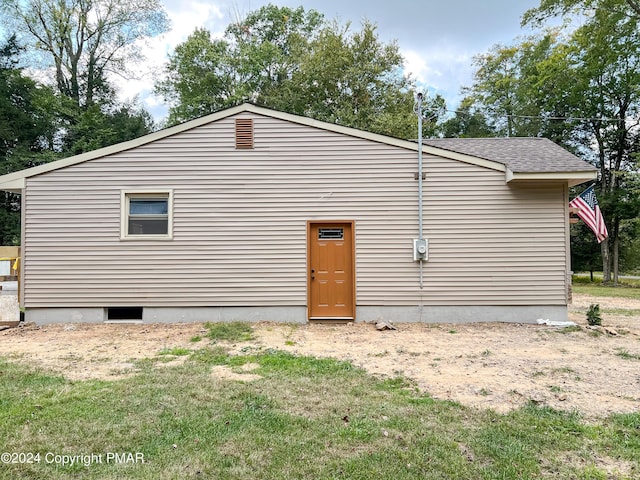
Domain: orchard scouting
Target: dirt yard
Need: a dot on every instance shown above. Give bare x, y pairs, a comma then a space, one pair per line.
497, 366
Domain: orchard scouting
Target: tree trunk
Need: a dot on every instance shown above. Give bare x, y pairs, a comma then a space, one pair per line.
606, 261
616, 249
616, 244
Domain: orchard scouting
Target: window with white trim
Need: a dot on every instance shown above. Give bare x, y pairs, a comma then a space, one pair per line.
147, 214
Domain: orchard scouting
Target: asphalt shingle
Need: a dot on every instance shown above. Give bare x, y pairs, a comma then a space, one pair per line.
519, 154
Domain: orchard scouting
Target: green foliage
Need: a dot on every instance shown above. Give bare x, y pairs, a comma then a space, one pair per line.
93, 127
230, 331
623, 353
593, 315
351, 78
577, 86
467, 122
292, 60
27, 129
600, 290
175, 351
198, 79
80, 41
585, 250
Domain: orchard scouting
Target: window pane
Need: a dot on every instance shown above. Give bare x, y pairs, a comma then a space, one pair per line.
146, 206
146, 226
330, 234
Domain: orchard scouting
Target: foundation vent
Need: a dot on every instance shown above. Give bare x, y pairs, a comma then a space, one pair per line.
124, 315
244, 133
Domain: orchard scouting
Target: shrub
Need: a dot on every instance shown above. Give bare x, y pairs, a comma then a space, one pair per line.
593, 315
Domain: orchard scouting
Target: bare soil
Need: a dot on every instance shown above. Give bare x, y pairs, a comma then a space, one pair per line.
490, 366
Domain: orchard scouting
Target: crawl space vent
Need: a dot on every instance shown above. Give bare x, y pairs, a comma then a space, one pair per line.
244, 133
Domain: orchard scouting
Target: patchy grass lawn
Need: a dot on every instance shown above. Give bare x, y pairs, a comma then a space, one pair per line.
293, 417
595, 289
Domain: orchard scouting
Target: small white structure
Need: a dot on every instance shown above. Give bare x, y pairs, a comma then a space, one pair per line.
9, 307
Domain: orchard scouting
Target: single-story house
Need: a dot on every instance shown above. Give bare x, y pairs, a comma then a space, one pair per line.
254, 214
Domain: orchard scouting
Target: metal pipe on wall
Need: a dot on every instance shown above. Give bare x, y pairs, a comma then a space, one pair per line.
420, 214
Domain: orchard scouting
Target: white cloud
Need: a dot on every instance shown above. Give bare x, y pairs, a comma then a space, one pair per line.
443, 70
185, 17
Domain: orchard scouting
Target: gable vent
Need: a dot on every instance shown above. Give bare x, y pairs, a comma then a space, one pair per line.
244, 133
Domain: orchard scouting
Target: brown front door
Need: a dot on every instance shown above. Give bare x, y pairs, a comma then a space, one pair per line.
331, 271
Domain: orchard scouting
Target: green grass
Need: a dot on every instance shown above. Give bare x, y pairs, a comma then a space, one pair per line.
230, 332
175, 351
599, 290
623, 353
305, 418
597, 280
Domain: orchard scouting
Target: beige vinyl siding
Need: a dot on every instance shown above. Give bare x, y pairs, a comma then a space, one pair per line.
489, 244
239, 225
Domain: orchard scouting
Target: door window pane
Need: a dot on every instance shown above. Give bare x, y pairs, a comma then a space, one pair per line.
330, 234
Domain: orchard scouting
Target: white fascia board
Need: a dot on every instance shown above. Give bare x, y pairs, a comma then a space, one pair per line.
573, 178
13, 186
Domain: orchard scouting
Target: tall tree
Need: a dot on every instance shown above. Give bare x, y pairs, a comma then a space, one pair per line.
84, 39
267, 46
27, 131
578, 87
565, 8
294, 61
468, 121
199, 79
518, 87
604, 54
95, 127
351, 78
256, 55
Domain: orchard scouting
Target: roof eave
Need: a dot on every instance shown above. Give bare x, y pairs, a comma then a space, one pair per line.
572, 178
13, 186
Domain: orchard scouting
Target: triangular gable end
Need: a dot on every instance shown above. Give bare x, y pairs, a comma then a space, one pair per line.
15, 182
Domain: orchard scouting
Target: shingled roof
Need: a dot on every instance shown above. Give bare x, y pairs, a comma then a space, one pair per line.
518, 154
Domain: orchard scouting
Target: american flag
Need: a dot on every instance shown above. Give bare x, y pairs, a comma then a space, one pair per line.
589, 212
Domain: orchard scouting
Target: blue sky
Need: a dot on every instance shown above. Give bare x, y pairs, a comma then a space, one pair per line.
438, 38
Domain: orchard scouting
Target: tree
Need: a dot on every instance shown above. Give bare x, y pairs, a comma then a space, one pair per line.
565, 8
256, 55
93, 127
518, 87
199, 79
84, 39
351, 78
27, 130
267, 47
580, 89
293, 61
468, 122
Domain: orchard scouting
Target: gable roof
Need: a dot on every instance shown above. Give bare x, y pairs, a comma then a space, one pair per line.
519, 158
